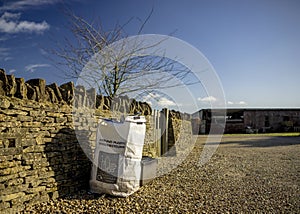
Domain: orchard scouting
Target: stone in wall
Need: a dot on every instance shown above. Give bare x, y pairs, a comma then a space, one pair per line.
3, 82
137, 107
30, 92
21, 91
120, 104
67, 92
2, 91
99, 102
39, 86
37, 90
56, 96
123, 104
7, 84
84, 98
91, 98
12, 86
145, 108
51, 95
80, 98
107, 103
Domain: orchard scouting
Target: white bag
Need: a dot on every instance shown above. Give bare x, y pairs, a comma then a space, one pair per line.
118, 154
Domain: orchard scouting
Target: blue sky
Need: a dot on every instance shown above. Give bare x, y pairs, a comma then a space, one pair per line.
253, 45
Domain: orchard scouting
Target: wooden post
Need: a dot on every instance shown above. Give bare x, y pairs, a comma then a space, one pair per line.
156, 132
164, 121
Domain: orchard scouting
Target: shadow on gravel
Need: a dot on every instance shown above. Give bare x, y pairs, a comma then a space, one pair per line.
262, 141
85, 195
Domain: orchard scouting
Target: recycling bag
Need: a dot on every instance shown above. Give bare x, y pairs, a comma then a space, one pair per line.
117, 160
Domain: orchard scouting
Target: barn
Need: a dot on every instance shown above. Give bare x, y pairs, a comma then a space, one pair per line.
248, 120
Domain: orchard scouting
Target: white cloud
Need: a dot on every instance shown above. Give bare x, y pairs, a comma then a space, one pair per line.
158, 100
150, 97
11, 16
2, 39
242, 103
9, 23
12, 71
4, 53
207, 99
33, 67
163, 101
8, 58
43, 52
239, 103
25, 4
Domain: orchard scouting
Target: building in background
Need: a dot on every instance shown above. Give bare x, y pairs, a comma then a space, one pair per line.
249, 120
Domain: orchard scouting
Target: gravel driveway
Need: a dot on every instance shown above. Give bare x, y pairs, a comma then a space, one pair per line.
245, 175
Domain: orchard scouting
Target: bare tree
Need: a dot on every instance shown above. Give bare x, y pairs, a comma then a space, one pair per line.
103, 59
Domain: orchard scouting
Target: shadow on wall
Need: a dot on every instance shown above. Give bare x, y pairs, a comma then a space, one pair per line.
69, 163
171, 150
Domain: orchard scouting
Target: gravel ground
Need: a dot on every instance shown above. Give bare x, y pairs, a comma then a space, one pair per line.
245, 175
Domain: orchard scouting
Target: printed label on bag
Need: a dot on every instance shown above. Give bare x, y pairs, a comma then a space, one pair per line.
108, 165
111, 143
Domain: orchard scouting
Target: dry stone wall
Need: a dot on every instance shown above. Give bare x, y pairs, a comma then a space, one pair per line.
39, 153
179, 128
40, 130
